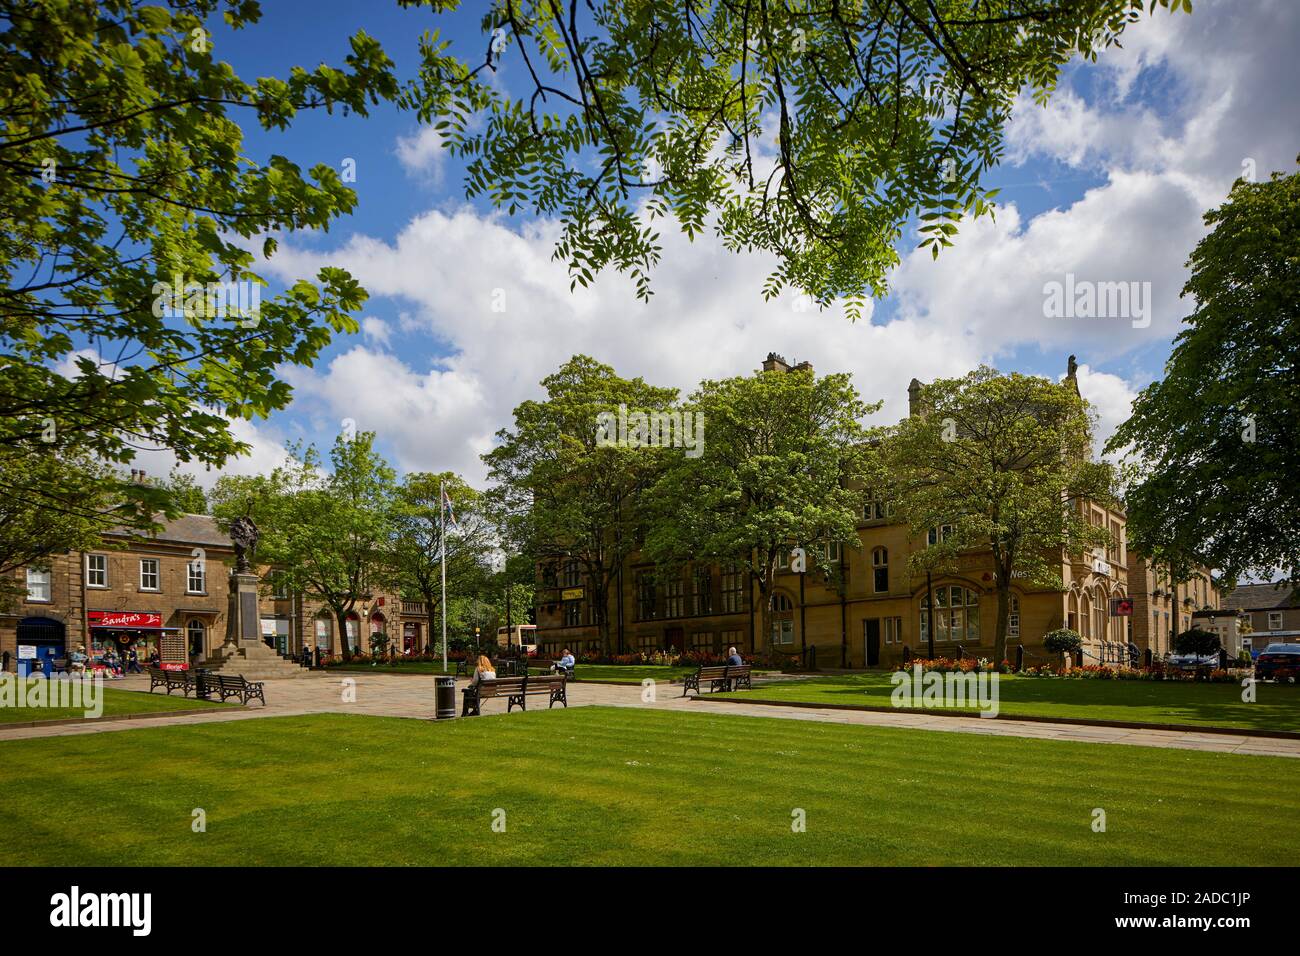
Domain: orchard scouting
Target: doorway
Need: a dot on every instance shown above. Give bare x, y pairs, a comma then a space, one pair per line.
871, 641
46, 635
675, 639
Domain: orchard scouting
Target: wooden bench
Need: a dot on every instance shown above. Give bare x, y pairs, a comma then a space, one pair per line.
516, 690
570, 671
236, 685
171, 680
724, 678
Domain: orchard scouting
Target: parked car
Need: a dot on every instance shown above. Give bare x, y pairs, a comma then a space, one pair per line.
1279, 662
1189, 662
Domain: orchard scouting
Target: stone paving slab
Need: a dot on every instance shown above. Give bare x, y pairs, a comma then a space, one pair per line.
388, 695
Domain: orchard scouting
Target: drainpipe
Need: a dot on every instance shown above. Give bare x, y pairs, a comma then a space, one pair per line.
929, 623
844, 622
803, 619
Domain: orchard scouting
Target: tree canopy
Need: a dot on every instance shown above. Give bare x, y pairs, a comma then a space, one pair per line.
131, 313
564, 494
783, 456
416, 559
1214, 447
1004, 461
813, 130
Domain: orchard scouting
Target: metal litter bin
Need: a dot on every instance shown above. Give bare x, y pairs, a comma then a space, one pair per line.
444, 697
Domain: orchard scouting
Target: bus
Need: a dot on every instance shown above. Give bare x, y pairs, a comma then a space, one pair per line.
519, 637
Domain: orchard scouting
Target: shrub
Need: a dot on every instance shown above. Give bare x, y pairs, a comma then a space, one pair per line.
1196, 641
1062, 641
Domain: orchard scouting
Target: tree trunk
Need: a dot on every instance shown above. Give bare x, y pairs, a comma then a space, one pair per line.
1004, 616
342, 621
600, 601
430, 617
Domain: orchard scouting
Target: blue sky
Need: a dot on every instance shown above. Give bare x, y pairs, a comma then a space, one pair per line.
1108, 183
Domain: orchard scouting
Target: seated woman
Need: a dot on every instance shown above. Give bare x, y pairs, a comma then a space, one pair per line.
564, 664
113, 664
483, 670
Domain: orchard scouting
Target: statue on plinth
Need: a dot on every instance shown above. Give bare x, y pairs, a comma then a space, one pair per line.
244, 535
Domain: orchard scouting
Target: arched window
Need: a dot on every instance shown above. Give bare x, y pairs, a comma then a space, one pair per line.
323, 626
195, 632
957, 615
880, 570
781, 603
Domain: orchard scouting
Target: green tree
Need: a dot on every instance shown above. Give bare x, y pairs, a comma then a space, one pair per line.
1002, 462
782, 463
184, 493
330, 534
416, 559
813, 131
56, 501
1198, 642
125, 180
1214, 446
562, 493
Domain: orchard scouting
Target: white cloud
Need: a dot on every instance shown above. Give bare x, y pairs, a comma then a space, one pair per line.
705, 321
376, 330
421, 153
1110, 396
1165, 126
267, 452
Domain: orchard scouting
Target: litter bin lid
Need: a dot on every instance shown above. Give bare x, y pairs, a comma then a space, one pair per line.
444, 681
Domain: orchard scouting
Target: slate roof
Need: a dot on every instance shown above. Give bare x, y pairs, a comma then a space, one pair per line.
1261, 597
191, 529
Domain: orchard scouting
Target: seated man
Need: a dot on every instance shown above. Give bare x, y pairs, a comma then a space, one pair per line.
733, 658
564, 664
77, 660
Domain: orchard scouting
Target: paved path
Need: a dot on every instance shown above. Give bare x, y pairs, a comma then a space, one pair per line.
391, 695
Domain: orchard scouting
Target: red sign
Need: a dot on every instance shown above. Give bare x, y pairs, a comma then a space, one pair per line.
1121, 607
174, 667
124, 619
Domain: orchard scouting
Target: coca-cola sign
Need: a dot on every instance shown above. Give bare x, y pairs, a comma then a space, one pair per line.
123, 619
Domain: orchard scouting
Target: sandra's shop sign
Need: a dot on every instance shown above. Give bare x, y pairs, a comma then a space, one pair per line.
123, 619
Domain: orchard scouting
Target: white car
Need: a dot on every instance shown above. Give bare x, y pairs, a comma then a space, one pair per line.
1193, 661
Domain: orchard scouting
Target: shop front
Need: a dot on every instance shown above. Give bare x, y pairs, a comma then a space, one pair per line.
114, 634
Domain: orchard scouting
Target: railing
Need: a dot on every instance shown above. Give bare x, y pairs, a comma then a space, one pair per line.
413, 607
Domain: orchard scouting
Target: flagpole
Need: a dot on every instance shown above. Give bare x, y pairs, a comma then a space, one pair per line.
442, 509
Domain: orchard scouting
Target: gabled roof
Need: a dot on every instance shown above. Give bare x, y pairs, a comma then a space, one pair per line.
187, 529
1261, 597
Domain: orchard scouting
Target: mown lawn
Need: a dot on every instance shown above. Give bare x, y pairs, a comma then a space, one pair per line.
629, 673
1276, 706
117, 703
614, 673
624, 786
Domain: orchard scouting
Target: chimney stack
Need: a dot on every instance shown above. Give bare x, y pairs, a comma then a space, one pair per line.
775, 363
914, 398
